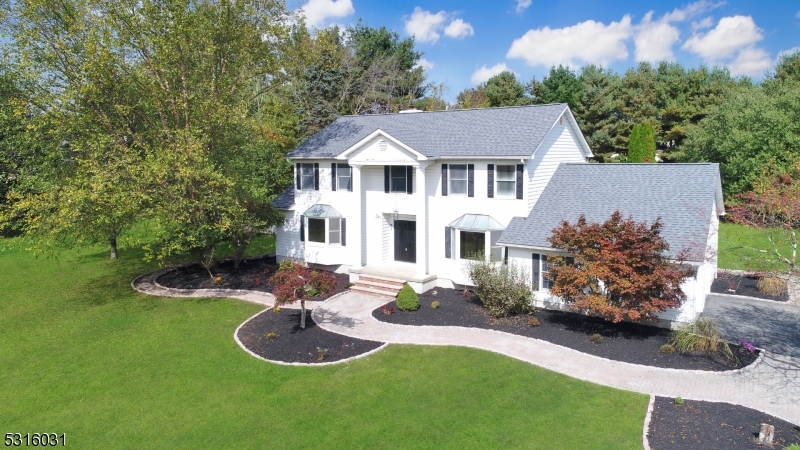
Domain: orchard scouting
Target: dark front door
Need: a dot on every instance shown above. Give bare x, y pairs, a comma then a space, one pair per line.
405, 241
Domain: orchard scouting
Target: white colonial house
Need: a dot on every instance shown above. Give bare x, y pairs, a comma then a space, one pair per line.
411, 197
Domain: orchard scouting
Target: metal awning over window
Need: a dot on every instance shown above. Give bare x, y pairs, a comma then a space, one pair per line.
477, 222
322, 211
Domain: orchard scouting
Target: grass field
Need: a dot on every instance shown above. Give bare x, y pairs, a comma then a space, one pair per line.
81, 353
739, 247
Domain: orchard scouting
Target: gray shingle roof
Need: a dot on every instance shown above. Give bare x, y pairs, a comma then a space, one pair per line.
511, 131
284, 200
681, 194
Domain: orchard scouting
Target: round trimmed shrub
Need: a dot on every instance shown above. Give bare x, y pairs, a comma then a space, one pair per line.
407, 299
667, 349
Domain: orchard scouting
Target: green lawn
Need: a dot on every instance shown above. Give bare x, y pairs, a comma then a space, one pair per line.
83, 354
736, 244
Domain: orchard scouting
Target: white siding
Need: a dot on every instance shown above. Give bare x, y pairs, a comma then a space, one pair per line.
287, 238
445, 209
561, 145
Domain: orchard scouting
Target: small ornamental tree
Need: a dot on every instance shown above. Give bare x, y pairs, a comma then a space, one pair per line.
774, 204
618, 269
295, 282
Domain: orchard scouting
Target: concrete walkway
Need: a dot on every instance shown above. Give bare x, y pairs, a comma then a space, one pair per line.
771, 385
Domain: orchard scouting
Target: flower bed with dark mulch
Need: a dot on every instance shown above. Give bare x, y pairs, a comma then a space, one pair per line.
296, 345
743, 285
628, 342
713, 426
252, 274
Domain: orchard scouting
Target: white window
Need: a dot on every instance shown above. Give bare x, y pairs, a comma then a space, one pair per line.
306, 176
458, 179
344, 177
506, 180
472, 244
398, 181
319, 229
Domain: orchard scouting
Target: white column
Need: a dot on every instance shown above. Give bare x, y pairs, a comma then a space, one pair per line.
355, 230
422, 222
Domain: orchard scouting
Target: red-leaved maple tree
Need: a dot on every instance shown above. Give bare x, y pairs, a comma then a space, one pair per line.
617, 269
774, 204
295, 282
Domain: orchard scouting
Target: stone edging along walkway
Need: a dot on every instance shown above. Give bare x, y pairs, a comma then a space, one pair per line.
771, 384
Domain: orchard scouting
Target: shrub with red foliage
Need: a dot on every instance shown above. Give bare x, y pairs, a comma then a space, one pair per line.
295, 282
618, 269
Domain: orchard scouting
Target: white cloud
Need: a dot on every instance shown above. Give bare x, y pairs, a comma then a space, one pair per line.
484, 73
317, 11
459, 29
797, 15
691, 10
426, 26
708, 22
522, 5
654, 40
423, 25
425, 64
730, 35
751, 61
589, 41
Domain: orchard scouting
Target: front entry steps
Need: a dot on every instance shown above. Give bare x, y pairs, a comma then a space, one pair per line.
375, 285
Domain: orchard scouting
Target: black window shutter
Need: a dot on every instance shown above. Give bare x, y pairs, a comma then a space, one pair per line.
490, 177
447, 244
302, 228
535, 264
470, 180
444, 180
316, 176
409, 180
505, 255
520, 169
297, 176
387, 175
333, 176
344, 232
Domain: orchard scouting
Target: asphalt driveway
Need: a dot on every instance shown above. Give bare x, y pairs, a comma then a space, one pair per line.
769, 325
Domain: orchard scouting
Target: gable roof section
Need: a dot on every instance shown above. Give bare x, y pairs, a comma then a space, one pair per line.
285, 200
683, 196
490, 132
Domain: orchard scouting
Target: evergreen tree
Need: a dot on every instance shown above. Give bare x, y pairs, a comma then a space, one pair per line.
503, 89
642, 144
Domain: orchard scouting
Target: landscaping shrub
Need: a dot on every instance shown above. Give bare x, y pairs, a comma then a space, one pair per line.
701, 336
534, 322
435, 304
271, 335
771, 285
407, 299
503, 289
667, 349
596, 338
678, 401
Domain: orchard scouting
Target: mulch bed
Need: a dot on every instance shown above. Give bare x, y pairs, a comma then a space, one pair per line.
297, 345
628, 342
743, 285
252, 274
713, 426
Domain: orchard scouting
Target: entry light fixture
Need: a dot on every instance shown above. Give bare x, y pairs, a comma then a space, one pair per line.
396, 215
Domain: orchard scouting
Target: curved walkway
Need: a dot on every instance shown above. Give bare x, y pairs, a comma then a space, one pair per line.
771, 385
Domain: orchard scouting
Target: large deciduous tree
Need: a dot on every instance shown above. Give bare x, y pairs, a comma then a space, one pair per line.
156, 103
618, 269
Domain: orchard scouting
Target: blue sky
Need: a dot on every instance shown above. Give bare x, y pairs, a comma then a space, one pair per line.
465, 43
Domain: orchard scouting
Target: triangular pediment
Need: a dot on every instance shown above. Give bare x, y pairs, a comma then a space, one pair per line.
380, 148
